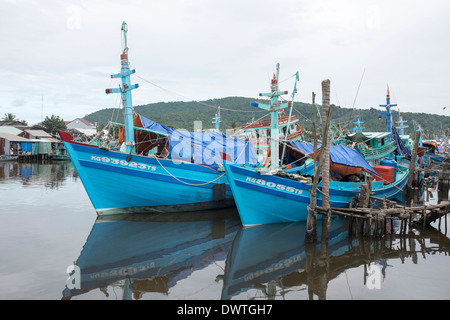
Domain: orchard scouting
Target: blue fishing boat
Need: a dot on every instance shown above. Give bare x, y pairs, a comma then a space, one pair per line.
434, 152
271, 196
377, 146
157, 169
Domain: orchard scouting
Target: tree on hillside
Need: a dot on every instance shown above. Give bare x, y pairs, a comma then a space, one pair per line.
53, 123
447, 131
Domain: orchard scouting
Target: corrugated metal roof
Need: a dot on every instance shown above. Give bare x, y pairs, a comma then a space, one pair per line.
12, 137
10, 129
47, 140
39, 133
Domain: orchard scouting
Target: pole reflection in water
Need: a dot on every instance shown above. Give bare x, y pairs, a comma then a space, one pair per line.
272, 261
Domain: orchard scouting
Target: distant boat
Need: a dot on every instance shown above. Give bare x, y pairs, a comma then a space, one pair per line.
59, 154
271, 196
434, 152
158, 169
380, 145
8, 158
258, 133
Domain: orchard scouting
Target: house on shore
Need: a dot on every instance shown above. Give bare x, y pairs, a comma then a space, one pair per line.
43, 142
27, 143
81, 129
13, 145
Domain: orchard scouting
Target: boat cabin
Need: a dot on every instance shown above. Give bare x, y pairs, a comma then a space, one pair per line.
374, 146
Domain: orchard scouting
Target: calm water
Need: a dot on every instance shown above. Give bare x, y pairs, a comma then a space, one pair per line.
47, 224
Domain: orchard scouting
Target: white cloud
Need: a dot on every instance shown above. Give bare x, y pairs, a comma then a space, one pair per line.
66, 51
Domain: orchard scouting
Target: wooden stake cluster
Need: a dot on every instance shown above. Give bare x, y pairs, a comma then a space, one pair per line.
375, 222
371, 216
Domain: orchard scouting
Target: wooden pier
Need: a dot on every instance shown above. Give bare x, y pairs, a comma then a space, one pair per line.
42, 157
377, 219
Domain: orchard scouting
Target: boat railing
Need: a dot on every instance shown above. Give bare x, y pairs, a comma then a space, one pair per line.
294, 135
266, 123
379, 152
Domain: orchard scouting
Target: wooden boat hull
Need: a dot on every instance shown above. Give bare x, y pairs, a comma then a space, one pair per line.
264, 199
116, 184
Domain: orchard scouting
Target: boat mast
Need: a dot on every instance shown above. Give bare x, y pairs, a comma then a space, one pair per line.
401, 123
125, 90
358, 127
420, 130
388, 112
290, 115
274, 107
216, 120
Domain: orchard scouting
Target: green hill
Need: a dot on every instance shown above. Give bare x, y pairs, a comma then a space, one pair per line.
237, 110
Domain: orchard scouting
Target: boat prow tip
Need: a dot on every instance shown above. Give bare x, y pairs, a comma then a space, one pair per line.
65, 136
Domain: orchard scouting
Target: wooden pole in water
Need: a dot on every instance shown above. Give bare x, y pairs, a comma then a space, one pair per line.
314, 127
312, 217
412, 164
324, 157
326, 112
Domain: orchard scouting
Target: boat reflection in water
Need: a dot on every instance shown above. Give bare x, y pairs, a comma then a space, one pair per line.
271, 262
151, 253
178, 259
263, 257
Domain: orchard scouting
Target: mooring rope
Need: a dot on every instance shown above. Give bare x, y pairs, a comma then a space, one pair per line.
184, 182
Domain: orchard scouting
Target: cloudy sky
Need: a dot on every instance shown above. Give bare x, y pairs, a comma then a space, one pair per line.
57, 56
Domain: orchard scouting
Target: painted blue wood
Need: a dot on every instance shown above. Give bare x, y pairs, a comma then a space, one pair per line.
264, 198
125, 182
115, 185
125, 91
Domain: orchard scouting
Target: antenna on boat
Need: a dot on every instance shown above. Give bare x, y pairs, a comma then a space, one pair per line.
125, 91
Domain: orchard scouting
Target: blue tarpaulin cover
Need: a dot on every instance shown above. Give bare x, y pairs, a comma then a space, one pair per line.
155, 127
401, 148
339, 154
210, 148
207, 148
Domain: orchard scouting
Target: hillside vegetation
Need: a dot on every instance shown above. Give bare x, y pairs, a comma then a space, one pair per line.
237, 110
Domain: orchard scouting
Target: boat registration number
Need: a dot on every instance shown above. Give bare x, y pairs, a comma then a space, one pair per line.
274, 185
124, 163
